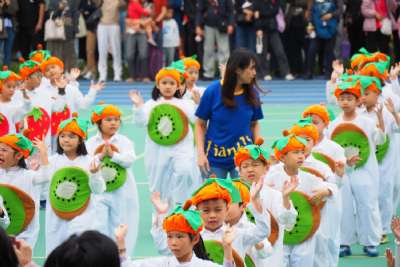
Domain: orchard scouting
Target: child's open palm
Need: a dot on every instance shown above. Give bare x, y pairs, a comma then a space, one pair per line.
396, 227
97, 86
74, 74
290, 185
229, 236
136, 98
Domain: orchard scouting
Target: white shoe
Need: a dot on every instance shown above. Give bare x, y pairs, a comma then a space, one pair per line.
88, 76
267, 78
289, 77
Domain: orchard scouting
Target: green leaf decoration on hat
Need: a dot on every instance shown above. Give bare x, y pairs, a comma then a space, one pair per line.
242, 182
380, 66
46, 54
281, 143
224, 183
177, 65
28, 64
98, 109
82, 124
331, 114
24, 143
255, 151
367, 81
5, 74
191, 216
305, 122
36, 113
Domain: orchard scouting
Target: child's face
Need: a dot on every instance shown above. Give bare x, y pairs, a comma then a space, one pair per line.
110, 125
235, 211
8, 89
53, 72
167, 87
32, 81
310, 144
252, 170
294, 159
370, 98
8, 156
169, 14
69, 141
213, 212
193, 75
348, 102
180, 243
319, 123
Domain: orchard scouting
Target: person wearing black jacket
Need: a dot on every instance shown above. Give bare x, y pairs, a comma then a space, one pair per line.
245, 35
190, 46
265, 12
214, 22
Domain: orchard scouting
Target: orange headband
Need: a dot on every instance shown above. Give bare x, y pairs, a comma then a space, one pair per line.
245, 154
208, 192
293, 144
173, 73
102, 111
244, 191
191, 62
178, 223
318, 110
51, 61
307, 130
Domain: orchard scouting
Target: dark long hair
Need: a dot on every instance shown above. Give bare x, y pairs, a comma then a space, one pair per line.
199, 249
90, 249
7, 254
155, 94
240, 59
80, 151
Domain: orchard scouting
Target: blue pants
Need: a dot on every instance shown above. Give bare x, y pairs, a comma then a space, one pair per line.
245, 37
6, 45
222, 172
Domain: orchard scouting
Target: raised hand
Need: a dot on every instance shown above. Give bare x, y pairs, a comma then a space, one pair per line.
228, 236
74, 74
319, 195
23, 252
94, 168
41, 146
256, 188
339, 168
136, 98
196, 96
97, 86
160, 206
395, 225
121, 231
390, 105
290, 185
390, 259
61, 82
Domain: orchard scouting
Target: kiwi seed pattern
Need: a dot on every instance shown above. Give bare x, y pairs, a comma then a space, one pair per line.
69, 191
113, 174
348, 135
307, 221
168, 125
215, 253
381, 150
20, 208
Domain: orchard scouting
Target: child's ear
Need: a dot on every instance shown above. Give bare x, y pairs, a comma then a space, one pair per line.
196, 239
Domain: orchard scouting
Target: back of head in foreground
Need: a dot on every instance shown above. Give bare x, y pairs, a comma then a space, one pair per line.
90, 249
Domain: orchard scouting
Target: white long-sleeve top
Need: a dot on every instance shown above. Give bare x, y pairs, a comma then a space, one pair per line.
14, 111
26, 181
244, 238
171, 261
124, 157
76, 100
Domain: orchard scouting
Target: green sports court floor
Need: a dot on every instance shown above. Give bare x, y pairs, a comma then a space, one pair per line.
277, 117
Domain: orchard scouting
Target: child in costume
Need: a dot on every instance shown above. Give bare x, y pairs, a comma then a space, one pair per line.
183, 229
15, 177
120, 203
213, 199
358, 135
191, 90
10, 111
75, 185
252, 163
327, 239
299, 249
387, 153
169, 150
4, 219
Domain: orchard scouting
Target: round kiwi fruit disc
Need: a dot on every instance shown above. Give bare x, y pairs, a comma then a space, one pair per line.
351, 137
215, 253
168, 125
69, 192
325, 159
20, 208
381, 150
308, 220
113, 174
248, 261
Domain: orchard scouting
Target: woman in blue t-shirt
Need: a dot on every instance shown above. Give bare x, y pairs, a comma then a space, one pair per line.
227, 116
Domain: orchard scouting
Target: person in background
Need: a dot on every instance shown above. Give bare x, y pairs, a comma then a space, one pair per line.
214, 22
192, 44
353, 20
109, 38
245, 35
30, 18
65, 49
265, 12
294, 35
171, 37
8, 9
87, 7
322, 30
378, 23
